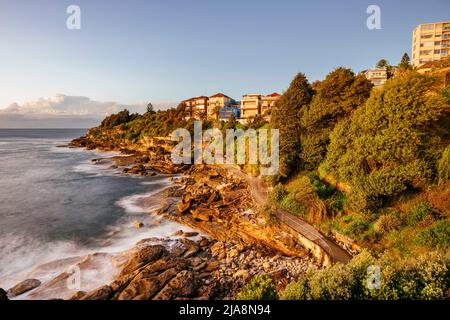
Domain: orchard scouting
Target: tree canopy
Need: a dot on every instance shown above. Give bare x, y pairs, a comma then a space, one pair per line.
286, 116
391, 144
337, 96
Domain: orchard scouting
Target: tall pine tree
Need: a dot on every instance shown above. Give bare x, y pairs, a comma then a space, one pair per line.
286, 116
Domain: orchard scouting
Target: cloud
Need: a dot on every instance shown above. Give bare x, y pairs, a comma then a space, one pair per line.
62, 111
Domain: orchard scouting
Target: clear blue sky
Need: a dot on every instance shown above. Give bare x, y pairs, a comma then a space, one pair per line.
130, 51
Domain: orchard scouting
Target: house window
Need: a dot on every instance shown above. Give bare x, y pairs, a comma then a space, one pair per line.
425, 52
437, 43
426, 36
437, 51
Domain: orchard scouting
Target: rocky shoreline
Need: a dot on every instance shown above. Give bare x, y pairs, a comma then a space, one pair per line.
240, 243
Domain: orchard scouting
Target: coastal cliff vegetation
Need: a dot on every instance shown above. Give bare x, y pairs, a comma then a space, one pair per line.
370, 165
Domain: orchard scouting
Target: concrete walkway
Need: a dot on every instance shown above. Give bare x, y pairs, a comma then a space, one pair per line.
260, 194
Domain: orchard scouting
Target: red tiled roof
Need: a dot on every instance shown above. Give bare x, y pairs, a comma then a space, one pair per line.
195, 98
220, 95
275, 94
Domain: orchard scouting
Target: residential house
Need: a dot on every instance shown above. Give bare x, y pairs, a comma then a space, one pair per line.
198, 106
377, 76
250, 106
215, 102
267, 103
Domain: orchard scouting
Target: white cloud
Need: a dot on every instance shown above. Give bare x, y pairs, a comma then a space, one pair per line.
62, 111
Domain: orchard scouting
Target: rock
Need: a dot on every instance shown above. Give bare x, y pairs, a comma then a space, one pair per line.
178, 233
243, 274
200, 266
190, 234
182, 285
203, 214
142, 257
78, 295
102, 293
203, 242
3, 295
266, 265
23, 287
184, 207
233, 253
196, 261
214, 197
146, 288
217, 248
212, 266
278, 274
138, 224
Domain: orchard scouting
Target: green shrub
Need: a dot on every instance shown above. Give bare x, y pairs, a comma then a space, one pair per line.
290, 204
418, 213
357, 226
297, 290
389, 145
400, 240
446, 93
387, 223
444, 166
425, 277
323, 190
259, 288
333, 284
436, 235
277, 194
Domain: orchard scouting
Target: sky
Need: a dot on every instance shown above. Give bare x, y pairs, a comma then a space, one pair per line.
130, 52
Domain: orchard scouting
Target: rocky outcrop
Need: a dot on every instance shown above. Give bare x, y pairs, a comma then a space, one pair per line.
23, 287
186, 269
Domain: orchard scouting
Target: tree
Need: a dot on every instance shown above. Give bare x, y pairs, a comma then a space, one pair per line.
150, 108
405, 62
337, 96
286, 116
383, 63
391, 144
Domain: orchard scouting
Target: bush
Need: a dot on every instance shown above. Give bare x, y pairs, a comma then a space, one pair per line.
387, 223
277, 194
392, 143
323, 190
426, 277
290, 204
418, 213
259, 288
435, 236
444, 166
356, 226
446, 93
297, 290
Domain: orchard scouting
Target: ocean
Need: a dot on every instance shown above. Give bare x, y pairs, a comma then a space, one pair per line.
55, 203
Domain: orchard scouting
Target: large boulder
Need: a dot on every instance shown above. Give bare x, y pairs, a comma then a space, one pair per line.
146, 288
203, 214
23, 287
102, 293
142, 257
182, 285
184, 207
